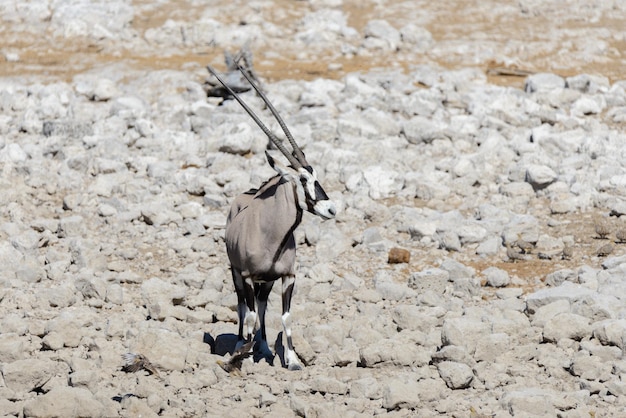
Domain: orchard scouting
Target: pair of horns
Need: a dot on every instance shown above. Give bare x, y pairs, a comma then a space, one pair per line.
296, 159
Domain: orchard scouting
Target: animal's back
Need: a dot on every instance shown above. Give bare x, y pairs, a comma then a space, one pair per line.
234, 229
239, 203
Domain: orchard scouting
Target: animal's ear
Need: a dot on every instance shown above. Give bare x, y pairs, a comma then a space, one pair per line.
278, 167
270, 159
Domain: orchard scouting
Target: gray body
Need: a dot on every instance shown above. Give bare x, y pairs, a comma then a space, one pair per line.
259, 231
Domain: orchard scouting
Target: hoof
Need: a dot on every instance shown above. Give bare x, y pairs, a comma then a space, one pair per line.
294, 367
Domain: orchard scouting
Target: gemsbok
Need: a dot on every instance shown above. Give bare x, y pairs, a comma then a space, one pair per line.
259, 231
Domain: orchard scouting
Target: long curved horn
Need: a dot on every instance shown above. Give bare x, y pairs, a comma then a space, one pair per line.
275, 140
296, 149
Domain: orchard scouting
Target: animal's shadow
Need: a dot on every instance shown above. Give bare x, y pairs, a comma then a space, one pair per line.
227, 344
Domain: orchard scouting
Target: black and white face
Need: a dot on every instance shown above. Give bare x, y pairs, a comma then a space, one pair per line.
311, 195
317, 201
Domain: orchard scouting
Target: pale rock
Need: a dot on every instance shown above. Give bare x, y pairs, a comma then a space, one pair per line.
393, 291
60, 296
68, 322
540, 176
489, 247
588, 83
23, 376
53, 341
155, 290
420, 129
598, 307
382, 30
104, 90
496, 277
543, 82
456, 270
611, 332
432, 390
588, 105
449, 240
465, 332
400, 393
326, 385
382, 183
72, 226
367, 387
567, 291
430, 279
64, 402
389, 351
165, 349
12, 348
557, 278
492, 346
453, 353
333, 242
190, 210
533, 402
455, 375
590, 367
416, 318
13, 153
129, 107
240, 140
416, 36
115, 294
155, 214
566, 325
545, 313
616, 387
136, 407
422, 228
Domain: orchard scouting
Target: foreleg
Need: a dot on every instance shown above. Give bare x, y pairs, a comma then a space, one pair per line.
263, 292
291, 357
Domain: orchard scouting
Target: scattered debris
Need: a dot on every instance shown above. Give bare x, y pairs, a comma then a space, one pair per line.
509, 72
568, 252
398, 255
512, 254
233, 365
605, 250
475, 414
233, 76
136, 362
524, 245
603, 229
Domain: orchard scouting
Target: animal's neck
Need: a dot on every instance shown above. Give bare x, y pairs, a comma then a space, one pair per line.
282, 213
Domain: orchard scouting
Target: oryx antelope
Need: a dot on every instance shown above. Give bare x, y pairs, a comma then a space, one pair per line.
260, 226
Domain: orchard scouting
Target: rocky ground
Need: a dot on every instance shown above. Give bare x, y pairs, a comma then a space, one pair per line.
457, 131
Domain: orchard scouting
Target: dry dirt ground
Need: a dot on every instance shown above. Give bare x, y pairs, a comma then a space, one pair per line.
536, 36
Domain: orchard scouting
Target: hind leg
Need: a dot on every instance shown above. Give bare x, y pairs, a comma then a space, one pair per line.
245, 306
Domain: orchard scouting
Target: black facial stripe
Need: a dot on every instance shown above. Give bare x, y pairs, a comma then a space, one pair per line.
303, 182
320, 194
